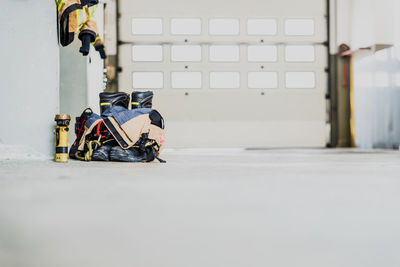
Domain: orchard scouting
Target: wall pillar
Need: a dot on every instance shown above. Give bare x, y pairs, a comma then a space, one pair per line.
30, 74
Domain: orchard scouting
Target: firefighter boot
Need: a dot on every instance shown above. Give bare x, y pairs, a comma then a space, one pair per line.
108, 100
142, 99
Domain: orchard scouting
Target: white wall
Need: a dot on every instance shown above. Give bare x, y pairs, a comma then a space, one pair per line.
340, 23
364, 23
29, 72
376, 85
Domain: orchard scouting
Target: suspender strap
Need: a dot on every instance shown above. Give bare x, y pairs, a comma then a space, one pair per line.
115, 133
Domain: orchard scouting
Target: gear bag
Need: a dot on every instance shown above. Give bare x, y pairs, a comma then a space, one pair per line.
141, 128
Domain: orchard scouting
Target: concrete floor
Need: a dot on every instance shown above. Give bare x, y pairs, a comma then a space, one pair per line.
230, 208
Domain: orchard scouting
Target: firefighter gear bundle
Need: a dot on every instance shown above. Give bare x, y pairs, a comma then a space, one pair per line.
77, 16
125, 131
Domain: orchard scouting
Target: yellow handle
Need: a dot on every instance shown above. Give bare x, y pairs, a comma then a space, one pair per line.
61, 144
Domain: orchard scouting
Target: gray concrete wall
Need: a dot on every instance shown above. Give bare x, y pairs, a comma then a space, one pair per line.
29, 72
73, 79
73, 83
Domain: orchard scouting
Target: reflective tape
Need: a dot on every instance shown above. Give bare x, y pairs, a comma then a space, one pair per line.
78, 18
81, 18
92, 9
60, 3
95, 40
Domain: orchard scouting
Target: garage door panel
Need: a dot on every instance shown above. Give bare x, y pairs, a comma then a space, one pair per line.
318, 36
209, 12
260, 8
283, 60
250, 134
242, 106
285, 79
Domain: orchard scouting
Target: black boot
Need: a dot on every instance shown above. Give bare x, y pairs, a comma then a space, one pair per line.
102, 153
127, 155
108, 100
102, 52
142, 99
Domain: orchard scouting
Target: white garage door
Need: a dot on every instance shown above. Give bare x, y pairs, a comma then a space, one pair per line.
229, 73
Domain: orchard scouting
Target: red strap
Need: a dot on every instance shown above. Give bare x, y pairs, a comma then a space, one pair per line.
80, 130
98, 129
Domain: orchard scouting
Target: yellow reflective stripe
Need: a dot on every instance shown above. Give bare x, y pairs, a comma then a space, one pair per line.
78, 19
135, 103
81, 17
92, 9
84, 18
352, 127
60, 3
105, 104
95, 40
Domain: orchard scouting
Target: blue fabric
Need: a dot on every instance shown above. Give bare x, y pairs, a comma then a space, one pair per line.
112, 110
123, 115
92, 119
120, 114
